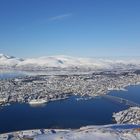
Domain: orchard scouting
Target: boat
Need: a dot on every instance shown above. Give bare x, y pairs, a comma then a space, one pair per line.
37, 101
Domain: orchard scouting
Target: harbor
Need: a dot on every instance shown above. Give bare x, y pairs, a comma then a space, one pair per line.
72, 112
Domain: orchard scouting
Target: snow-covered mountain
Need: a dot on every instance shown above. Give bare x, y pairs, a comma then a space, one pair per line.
66, 62
8, 61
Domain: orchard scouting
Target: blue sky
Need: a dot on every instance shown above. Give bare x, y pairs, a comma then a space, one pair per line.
85, 28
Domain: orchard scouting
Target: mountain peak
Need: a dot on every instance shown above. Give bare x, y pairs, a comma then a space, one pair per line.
3, 56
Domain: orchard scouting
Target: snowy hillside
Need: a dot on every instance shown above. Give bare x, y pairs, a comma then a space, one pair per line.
110, 132
66, 62
92, 134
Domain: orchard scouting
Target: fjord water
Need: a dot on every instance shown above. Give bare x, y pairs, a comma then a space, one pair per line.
68, 113
132, 93
9, 75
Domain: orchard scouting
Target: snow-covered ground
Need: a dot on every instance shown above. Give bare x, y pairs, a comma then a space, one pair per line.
129, 116
91, 134
110, 132
61, 61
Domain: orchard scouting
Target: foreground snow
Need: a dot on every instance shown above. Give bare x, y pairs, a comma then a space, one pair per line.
90, 134
110, 132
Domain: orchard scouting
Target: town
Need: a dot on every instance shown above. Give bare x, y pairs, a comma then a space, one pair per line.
57, 87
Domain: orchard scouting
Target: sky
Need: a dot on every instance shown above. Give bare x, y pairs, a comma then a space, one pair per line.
81, 28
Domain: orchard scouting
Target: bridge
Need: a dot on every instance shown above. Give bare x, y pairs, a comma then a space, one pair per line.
121, 100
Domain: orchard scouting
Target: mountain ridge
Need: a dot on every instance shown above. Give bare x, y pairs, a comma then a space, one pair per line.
63, 61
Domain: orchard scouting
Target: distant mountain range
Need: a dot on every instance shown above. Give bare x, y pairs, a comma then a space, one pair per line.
67, 62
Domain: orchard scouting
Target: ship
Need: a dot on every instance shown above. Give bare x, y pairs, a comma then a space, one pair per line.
37, 101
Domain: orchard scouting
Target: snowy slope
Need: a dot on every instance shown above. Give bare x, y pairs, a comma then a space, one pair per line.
109, 132
66, 62
94, 133
90, 135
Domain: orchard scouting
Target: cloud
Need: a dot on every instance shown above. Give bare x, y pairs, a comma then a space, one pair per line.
59, 17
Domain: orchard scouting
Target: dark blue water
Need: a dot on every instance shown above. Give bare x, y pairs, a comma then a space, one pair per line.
10, 75
132, 93
68, 113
